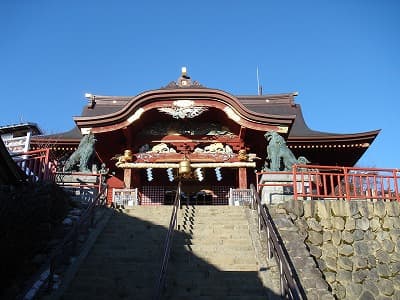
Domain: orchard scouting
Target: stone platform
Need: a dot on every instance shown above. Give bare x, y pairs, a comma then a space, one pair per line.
280, 187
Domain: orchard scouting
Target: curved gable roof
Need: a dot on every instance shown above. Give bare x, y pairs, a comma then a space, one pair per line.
122, 114
283, 104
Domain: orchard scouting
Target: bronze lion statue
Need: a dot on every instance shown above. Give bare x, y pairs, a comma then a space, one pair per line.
279, 155
80, 158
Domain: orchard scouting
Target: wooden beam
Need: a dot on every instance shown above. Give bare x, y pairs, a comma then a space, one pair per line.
193, 165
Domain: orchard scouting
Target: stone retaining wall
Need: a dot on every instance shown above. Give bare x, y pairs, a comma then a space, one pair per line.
355, 244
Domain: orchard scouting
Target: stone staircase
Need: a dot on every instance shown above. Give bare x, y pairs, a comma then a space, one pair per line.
125, 260
213, 256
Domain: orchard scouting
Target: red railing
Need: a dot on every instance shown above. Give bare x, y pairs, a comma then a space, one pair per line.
36, 165
331, 182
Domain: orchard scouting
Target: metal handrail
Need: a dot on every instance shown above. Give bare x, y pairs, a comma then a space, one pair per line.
289, 281
173, 223
46, 272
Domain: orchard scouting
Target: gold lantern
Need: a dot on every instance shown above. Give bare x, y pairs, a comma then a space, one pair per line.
184, 168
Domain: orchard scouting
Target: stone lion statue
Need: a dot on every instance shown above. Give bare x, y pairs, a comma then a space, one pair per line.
79, 159
278, 153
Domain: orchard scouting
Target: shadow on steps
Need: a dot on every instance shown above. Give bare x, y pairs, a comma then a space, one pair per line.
125, 259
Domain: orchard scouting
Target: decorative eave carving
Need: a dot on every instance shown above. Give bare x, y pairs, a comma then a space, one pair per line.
182, 109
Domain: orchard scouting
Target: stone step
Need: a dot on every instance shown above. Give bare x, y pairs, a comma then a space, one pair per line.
190, 263
213, 236
221, 212
212, 214
227, 297
217, 226
216, 257
204, 266
216, 284
226, 223
230, 256
213, 247
211, 240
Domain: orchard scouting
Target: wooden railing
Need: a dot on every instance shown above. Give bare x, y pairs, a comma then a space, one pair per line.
290, 286
36, 165
331, 182
173, 223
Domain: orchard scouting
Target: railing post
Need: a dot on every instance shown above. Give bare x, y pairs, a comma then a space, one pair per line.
281, 278
346, 183
396, 186
259, 218
269, 251
294, 174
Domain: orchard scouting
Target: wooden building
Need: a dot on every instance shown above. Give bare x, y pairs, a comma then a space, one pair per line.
144, 139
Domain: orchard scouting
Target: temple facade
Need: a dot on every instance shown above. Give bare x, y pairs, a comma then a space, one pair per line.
212, 139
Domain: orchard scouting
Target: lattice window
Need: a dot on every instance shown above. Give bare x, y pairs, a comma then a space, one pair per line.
152, 195
222, 195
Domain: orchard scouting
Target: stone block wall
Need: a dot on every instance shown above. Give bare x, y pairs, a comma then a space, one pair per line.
355, 244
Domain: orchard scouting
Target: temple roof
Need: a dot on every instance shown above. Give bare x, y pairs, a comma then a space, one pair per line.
284, 104
261, 113
270, 104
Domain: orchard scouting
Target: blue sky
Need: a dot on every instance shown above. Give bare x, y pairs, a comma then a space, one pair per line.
343, 57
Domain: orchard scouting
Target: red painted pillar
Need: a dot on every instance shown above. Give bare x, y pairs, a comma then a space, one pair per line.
242, 178
128, 178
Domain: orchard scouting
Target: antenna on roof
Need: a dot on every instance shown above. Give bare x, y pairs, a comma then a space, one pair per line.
259, 87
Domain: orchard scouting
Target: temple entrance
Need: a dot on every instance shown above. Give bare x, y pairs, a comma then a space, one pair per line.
191, 195
211, 190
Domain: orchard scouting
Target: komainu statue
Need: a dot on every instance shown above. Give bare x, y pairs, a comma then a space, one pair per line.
279, 154
79, 160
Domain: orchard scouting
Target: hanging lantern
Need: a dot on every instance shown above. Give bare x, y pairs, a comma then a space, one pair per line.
184, 167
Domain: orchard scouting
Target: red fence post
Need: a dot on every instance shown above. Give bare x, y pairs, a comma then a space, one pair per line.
396, 186
346, 183
294, 180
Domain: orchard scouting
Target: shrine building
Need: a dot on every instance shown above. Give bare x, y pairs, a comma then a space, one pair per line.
145, 140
